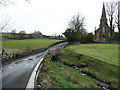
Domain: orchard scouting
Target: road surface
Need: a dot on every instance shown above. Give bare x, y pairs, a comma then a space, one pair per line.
17, 74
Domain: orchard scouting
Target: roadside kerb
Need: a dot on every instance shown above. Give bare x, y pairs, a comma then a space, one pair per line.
31, 82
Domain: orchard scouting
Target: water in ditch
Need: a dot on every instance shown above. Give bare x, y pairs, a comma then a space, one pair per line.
100, 83
104, 85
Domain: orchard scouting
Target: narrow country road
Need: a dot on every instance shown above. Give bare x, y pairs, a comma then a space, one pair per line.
17, 74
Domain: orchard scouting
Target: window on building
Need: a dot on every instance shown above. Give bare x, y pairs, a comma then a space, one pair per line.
103, 30
109, 34
98, 35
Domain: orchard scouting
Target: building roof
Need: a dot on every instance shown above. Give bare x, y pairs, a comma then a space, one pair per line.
103, 12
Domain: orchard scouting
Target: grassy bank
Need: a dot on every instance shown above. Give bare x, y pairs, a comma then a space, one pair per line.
26, 44
59, 75
101, 70
104, 52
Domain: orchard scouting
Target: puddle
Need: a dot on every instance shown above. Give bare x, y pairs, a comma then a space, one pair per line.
18, 62
30, 59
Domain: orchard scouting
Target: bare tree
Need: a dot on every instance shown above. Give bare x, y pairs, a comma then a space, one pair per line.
5, 2
111, 9
77, 24
118, 20
75, 29
119, 16
4, 23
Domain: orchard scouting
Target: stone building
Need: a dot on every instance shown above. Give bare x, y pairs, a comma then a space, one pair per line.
104, 32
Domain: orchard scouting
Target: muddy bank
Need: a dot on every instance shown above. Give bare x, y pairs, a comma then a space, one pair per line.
18, 56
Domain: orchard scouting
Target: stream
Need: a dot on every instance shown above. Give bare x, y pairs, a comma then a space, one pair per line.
100, 83
104, 85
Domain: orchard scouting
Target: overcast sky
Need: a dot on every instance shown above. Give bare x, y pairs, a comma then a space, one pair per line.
50, 16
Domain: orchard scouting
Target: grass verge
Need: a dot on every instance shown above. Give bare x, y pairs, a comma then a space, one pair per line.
58, 75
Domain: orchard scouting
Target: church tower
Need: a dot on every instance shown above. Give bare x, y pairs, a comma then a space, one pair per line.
103, 19
104, 31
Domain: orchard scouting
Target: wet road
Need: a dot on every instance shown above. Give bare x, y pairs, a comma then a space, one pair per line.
17, 74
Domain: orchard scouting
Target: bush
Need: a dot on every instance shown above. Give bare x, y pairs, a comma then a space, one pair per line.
89, 37
76, 36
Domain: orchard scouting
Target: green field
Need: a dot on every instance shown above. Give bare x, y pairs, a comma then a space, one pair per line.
104, 52
26, 44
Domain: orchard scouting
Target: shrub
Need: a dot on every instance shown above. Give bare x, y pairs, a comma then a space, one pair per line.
76, 36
